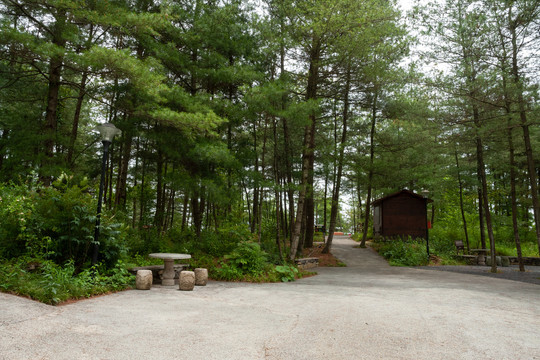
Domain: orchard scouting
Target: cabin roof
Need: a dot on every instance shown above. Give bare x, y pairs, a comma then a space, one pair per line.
404, 191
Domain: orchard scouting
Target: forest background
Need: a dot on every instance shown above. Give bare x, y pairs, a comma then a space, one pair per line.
246, 124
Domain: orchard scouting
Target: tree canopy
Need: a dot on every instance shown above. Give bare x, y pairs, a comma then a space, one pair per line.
279, 115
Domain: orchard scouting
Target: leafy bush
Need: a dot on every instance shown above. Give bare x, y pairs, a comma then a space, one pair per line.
248, 258
56, 223
402, 252
248, 262
45, 281
16, 207
287, 272
216, 242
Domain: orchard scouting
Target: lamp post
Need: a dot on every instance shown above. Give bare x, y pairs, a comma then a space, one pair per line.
108, 132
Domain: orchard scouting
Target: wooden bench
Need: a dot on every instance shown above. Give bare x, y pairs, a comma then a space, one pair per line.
460, 246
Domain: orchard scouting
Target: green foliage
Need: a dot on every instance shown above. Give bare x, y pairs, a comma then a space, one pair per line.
248, 262
45, 281
16, 207
56, 223
248, 258
222, 240
402, 252
287, 272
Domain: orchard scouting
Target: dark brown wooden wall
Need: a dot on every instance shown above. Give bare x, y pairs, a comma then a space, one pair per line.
404, 215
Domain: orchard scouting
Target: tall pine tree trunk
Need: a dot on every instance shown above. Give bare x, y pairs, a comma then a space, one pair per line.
370, 168
531, 168
309, 142
158, 215
54, 78
277, 196
76, 118
483, 184
460, 183
337, 185
513, 198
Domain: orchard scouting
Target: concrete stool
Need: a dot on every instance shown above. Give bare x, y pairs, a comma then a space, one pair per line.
143, 280
186, 281
201, 276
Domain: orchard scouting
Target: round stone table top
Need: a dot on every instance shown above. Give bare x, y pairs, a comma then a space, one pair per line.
170, 256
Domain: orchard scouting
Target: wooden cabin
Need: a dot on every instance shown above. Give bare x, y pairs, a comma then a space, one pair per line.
401, 214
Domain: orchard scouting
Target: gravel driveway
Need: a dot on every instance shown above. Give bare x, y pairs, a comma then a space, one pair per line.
531, 274
367, 310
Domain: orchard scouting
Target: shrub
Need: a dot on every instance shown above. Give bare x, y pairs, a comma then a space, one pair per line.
248, 258
220, 241
403, 252
45, 281
16, 208
286, 272
56, 223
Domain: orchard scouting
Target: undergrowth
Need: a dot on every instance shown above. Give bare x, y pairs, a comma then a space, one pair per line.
47, 282
247, 262
399, 252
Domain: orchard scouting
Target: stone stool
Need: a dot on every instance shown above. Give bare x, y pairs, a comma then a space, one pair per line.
186, 281
201, 276
143, 280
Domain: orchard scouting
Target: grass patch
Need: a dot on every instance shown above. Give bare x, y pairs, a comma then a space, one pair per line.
47, 282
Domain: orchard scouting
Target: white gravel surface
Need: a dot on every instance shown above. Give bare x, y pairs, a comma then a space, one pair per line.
367, 310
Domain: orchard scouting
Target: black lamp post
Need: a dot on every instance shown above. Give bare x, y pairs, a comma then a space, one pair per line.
108, 132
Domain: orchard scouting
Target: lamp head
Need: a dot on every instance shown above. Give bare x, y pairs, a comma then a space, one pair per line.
108, 131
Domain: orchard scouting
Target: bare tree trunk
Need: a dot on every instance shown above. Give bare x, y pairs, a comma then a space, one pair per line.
309, 143
277, 196
121, 185
158, 215
531, 168
197, 209
142, 197
460, 183
263, 169
514, 199
110, 164
286, 141
301, 198
310, 208
481, 215
370, 170
288, 170
135, 183
325, 204
55, 78
337, 185
76, 118
185, 210
482, 174
255, 216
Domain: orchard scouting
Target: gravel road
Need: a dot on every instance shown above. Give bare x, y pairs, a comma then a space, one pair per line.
531, 274
367, 310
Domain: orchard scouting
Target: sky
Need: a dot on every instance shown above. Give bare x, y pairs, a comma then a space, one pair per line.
405, 4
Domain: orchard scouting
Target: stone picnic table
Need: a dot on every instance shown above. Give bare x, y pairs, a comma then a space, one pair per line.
168, 271
480, 255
